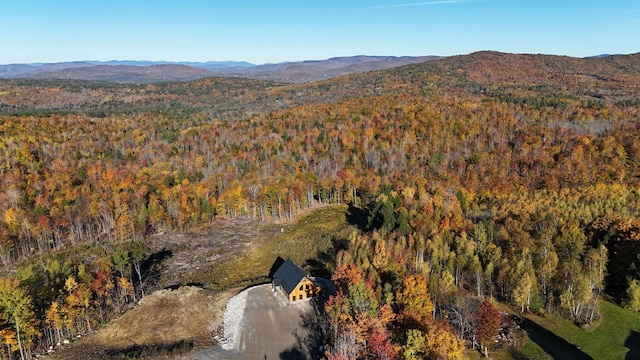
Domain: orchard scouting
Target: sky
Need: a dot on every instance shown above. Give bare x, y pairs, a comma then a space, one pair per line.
263, 31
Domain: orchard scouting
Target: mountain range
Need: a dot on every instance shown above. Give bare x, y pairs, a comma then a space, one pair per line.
125, 71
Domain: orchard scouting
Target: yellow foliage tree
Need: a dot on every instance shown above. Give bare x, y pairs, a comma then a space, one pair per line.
414, 301
54, 319
12, 219
442, 343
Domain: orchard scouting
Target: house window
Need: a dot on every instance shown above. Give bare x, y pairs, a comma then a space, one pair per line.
306, 287
300, 287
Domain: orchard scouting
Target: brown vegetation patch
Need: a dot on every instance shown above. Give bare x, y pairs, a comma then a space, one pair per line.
167, 321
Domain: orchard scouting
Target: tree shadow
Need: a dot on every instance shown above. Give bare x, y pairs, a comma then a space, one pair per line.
318, 268
633, 343
151, 350
292, 354
358, 217
152, 266
157, 257
315, 327
324, 261
552, 344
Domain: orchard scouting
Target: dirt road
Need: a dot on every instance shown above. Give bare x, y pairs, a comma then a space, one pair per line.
272, 329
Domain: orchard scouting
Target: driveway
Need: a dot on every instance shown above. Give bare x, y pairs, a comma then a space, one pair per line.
271, 328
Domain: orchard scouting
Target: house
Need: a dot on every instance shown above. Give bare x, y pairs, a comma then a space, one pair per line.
293, 283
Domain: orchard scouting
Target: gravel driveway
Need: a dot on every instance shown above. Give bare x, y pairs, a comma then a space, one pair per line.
272, 329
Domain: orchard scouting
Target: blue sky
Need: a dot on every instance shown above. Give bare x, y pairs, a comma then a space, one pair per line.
265, 31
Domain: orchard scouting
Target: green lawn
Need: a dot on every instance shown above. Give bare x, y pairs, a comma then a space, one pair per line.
617, 336
611, 339
530, 351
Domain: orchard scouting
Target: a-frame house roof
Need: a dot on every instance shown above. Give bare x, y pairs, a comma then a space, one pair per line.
288, 276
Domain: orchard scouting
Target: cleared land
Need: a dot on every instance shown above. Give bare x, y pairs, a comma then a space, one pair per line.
240, 252
225, 256
163, 324
271, 328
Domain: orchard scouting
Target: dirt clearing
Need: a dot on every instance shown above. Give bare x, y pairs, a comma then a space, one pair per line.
167, 321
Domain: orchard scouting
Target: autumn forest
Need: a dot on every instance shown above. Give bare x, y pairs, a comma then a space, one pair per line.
484, 179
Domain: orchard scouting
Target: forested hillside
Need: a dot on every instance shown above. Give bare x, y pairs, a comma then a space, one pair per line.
486, 176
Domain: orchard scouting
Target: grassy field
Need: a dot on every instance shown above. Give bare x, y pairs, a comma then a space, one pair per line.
310, 241
616, 336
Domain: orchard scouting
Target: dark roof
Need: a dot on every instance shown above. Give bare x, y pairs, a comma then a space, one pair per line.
288, 275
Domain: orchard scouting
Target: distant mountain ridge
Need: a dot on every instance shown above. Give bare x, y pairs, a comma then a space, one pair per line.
204, 65
314, 70
23, 70
20, 70
128, 73
134, 71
